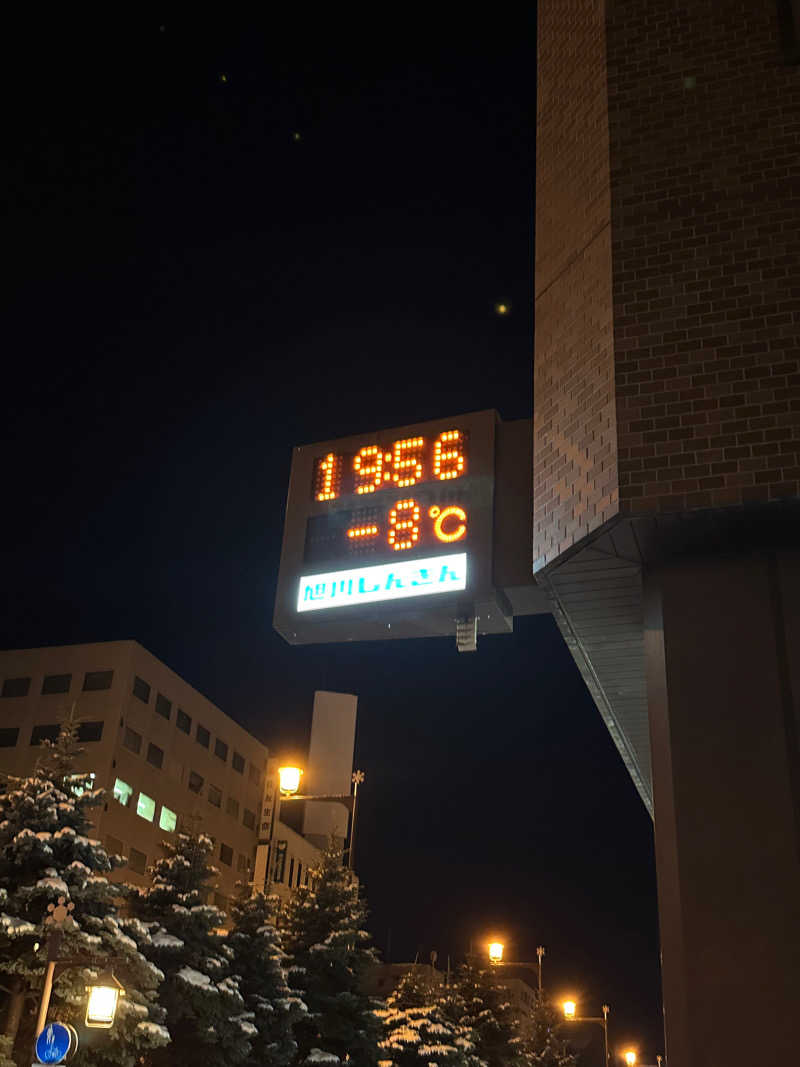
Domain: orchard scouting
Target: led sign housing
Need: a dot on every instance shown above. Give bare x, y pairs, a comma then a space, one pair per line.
391, 534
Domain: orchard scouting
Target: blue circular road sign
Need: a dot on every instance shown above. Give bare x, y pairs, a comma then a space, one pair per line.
53, 1043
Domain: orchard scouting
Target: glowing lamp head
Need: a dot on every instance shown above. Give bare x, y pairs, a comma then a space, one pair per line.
569, 1007
496, 951
290, 780
502, 307
101, 1007
630, 1057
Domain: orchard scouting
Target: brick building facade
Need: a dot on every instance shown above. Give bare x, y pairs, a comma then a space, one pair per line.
666, 473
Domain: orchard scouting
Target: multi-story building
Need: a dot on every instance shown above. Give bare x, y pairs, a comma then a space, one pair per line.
165, 756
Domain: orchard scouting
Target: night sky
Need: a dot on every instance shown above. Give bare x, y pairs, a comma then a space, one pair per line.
221, 235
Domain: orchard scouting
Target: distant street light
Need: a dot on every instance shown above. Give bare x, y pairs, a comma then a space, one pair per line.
569, 1008
496, 952
630, 1057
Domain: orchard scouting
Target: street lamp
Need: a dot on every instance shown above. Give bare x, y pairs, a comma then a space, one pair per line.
496, 952
289, 778
101, 1006
570, 1009
630, 1057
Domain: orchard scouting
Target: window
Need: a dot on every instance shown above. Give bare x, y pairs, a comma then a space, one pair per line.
8, 736
146, 807
249, 819
163, 706
183, 721
306, 879
242, 863
255, 774
56, 683
221, 750
291, 871
195, 782
215, 796
232, 807
95, 680
789, 27
15, 687
167, 820
238, 762
132, 740
299, 872
137, 861
141, 689
114, 847
202, 736
226, 855
79, 790
90, 731
122, 792
49, 732
155, 755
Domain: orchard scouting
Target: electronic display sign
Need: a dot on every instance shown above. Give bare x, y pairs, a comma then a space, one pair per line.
391, 533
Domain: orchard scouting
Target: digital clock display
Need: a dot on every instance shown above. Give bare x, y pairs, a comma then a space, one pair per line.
386, 503
396, 524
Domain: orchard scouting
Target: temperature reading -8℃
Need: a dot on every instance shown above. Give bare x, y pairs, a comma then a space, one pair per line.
408, 462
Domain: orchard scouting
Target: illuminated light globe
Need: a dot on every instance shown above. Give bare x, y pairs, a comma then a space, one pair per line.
502, 307
569, 1008
630, 1057
496, 951
101, 1006
289, 780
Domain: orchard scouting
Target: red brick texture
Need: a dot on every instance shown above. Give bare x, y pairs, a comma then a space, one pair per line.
704, 120
575, 475
678, 124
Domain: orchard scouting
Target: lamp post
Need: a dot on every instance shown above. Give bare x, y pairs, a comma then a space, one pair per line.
569, 1007
630, 1057
496, 949
289, 778
104, 992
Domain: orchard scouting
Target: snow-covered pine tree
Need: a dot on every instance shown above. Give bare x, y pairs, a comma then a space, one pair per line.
328, 949
488, 1013
46, 854
418, 1026
184, 936
542, 1046
259, 960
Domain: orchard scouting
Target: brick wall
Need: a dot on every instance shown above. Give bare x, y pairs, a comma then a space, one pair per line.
575, 473
704, 123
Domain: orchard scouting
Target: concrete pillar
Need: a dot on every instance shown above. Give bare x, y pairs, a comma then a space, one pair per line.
723, 698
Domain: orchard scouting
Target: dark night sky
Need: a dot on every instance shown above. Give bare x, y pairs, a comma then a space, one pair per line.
194, 292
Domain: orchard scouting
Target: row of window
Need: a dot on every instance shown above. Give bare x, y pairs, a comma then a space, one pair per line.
167, 820
87, 731
163, 707
57, 683
134, 742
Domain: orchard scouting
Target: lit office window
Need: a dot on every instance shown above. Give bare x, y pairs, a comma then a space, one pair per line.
122, 792
167, 820
146, 807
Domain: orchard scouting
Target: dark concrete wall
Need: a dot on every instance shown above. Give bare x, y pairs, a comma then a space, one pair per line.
725, 776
